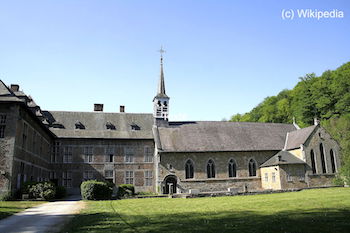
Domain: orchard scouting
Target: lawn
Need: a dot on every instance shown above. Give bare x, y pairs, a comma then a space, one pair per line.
8, 208
317, 210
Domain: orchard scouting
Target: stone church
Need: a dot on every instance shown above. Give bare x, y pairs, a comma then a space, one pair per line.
154, 154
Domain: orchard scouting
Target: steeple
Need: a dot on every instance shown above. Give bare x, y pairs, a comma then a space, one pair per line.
161, 84
161, 100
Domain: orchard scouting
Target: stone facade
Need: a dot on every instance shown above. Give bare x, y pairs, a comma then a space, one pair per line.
173, 164
107, 159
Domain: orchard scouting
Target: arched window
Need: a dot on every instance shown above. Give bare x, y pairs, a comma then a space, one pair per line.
232, 172
189, 169
252, 167
323, 160
313, 162
334, 169
210, 169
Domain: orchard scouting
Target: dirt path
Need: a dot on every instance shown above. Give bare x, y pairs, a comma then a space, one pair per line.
48, 217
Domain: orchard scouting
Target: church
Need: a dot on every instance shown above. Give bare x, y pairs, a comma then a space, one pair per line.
155, 154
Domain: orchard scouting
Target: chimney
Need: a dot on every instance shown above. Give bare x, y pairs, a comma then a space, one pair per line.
121, 108
279, 158
98, 107
316, 121
14, 87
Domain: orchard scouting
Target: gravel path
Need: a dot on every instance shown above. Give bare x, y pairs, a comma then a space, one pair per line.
48, 217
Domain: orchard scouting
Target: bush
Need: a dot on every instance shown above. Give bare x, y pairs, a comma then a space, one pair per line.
146, 194
125, 190
26, 186
95, 190
44, 190
60, 192
6, 196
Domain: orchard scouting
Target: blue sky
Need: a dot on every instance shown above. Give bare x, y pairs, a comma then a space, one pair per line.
223, 57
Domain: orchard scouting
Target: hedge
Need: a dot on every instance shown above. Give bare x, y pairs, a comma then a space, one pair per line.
95, 190
125, 190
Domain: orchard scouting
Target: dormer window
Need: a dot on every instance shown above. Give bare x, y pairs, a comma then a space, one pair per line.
135, 127
79, 125
110, 126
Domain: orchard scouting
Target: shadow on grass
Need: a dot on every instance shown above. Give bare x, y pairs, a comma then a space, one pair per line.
315, 220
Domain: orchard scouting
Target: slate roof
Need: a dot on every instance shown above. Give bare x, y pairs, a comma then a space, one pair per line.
95, 125
298, 137
205, 136
6, 95
286, 158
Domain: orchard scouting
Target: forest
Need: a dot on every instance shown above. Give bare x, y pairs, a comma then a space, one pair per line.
325, 97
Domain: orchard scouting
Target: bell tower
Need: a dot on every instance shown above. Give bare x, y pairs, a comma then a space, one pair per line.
161, 100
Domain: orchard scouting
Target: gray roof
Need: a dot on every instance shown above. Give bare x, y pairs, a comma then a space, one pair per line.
285, 158
201, 136
95, 125
6, 94
298, 137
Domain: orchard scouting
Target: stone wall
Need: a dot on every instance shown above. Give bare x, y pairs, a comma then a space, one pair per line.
313, 143
97, 167
7, 145
174, 164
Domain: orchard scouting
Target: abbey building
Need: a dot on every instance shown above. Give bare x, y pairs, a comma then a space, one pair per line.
155, 154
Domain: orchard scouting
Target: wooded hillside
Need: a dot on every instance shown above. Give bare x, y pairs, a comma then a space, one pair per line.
326, 97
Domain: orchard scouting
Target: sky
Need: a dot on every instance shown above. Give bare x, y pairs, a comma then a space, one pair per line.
222, 57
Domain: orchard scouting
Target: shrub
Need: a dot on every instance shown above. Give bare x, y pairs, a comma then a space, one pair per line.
95, 190
125, 190
6, 196
44, 190
26, 187
60, 192
146, 194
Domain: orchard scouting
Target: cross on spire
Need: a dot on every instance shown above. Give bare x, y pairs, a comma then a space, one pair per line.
161, 51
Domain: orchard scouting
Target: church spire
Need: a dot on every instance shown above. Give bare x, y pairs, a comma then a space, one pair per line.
161, 100
161, 85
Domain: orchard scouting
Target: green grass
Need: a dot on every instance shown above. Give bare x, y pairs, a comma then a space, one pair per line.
8, 208
318, 210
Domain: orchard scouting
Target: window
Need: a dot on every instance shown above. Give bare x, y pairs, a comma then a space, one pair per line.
67, 179
289, 177
79, 125
232, 168
148, 154
24, 135
2, 118
129, 177
108, 173
301, 174
55, 152
210, 169
110, 126
273, 177
266, 177
88, 154
109, 154
34, 142
67, 154
135, 127
323, 159
41, 146
148, 178
252, 167
2, 125
2, 131
88, 175
334, 168
313, 162
189, 174
129, 155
